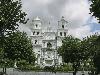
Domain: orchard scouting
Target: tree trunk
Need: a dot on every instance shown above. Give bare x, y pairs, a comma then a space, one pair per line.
75, 71
3, 69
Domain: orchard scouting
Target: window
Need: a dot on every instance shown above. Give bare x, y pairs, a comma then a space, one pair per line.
48, 56
62, 26
60, 33
64, 33
43, 43
36, 25
33, 32
49, 45
35, 41
37, 33
38, 51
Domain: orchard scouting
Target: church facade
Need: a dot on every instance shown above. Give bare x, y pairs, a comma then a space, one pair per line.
46, 43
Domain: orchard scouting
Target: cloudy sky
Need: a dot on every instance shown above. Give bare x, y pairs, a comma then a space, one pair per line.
76, 12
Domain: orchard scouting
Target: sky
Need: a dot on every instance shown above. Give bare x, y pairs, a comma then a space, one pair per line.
76, 12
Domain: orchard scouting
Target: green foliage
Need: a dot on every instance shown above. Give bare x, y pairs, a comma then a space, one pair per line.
1, 54
94, 9
96, 61
71, 52
78, 52
70, 49
96, 58
91, 47
88, 46
64, 68
19, 47
6, 63
10, 15
49, 68
23, 65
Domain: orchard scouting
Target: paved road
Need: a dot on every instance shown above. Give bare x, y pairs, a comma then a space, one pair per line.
40, 73
11, 71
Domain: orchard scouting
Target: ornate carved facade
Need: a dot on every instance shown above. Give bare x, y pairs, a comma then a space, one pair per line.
46, 43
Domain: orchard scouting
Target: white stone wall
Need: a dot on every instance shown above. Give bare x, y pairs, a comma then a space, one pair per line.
45, 57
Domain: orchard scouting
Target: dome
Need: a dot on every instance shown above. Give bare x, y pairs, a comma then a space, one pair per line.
37, 18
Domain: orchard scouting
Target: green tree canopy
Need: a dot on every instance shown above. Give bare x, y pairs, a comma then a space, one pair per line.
95, 8
96, 58
91, 47
69, 49
71, 52
10, 15
77, 51
19, 47
88, 45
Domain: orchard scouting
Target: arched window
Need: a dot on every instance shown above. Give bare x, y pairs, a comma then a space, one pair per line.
33, 32
36, 25
64, 33
37, 33
35, 41
43, 43
49, 45
62, 26
60, 33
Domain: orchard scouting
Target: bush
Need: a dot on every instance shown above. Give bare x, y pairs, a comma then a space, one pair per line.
49, 68
8, 63
25, 66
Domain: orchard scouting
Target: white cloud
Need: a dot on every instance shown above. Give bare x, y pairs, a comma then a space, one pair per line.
94, 20
75, 11
81, 31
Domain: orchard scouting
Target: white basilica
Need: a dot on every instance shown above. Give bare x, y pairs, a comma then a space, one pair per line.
46, 43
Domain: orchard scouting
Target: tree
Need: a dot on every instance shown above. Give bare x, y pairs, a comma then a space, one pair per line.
11, 16
89, 48
96, 61
76, 51
96, 58
88, 45
19, 47
94, 9
71, 52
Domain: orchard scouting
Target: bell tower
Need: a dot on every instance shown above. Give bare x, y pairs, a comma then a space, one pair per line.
62, 27
62, 30
37, 23
36, 37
